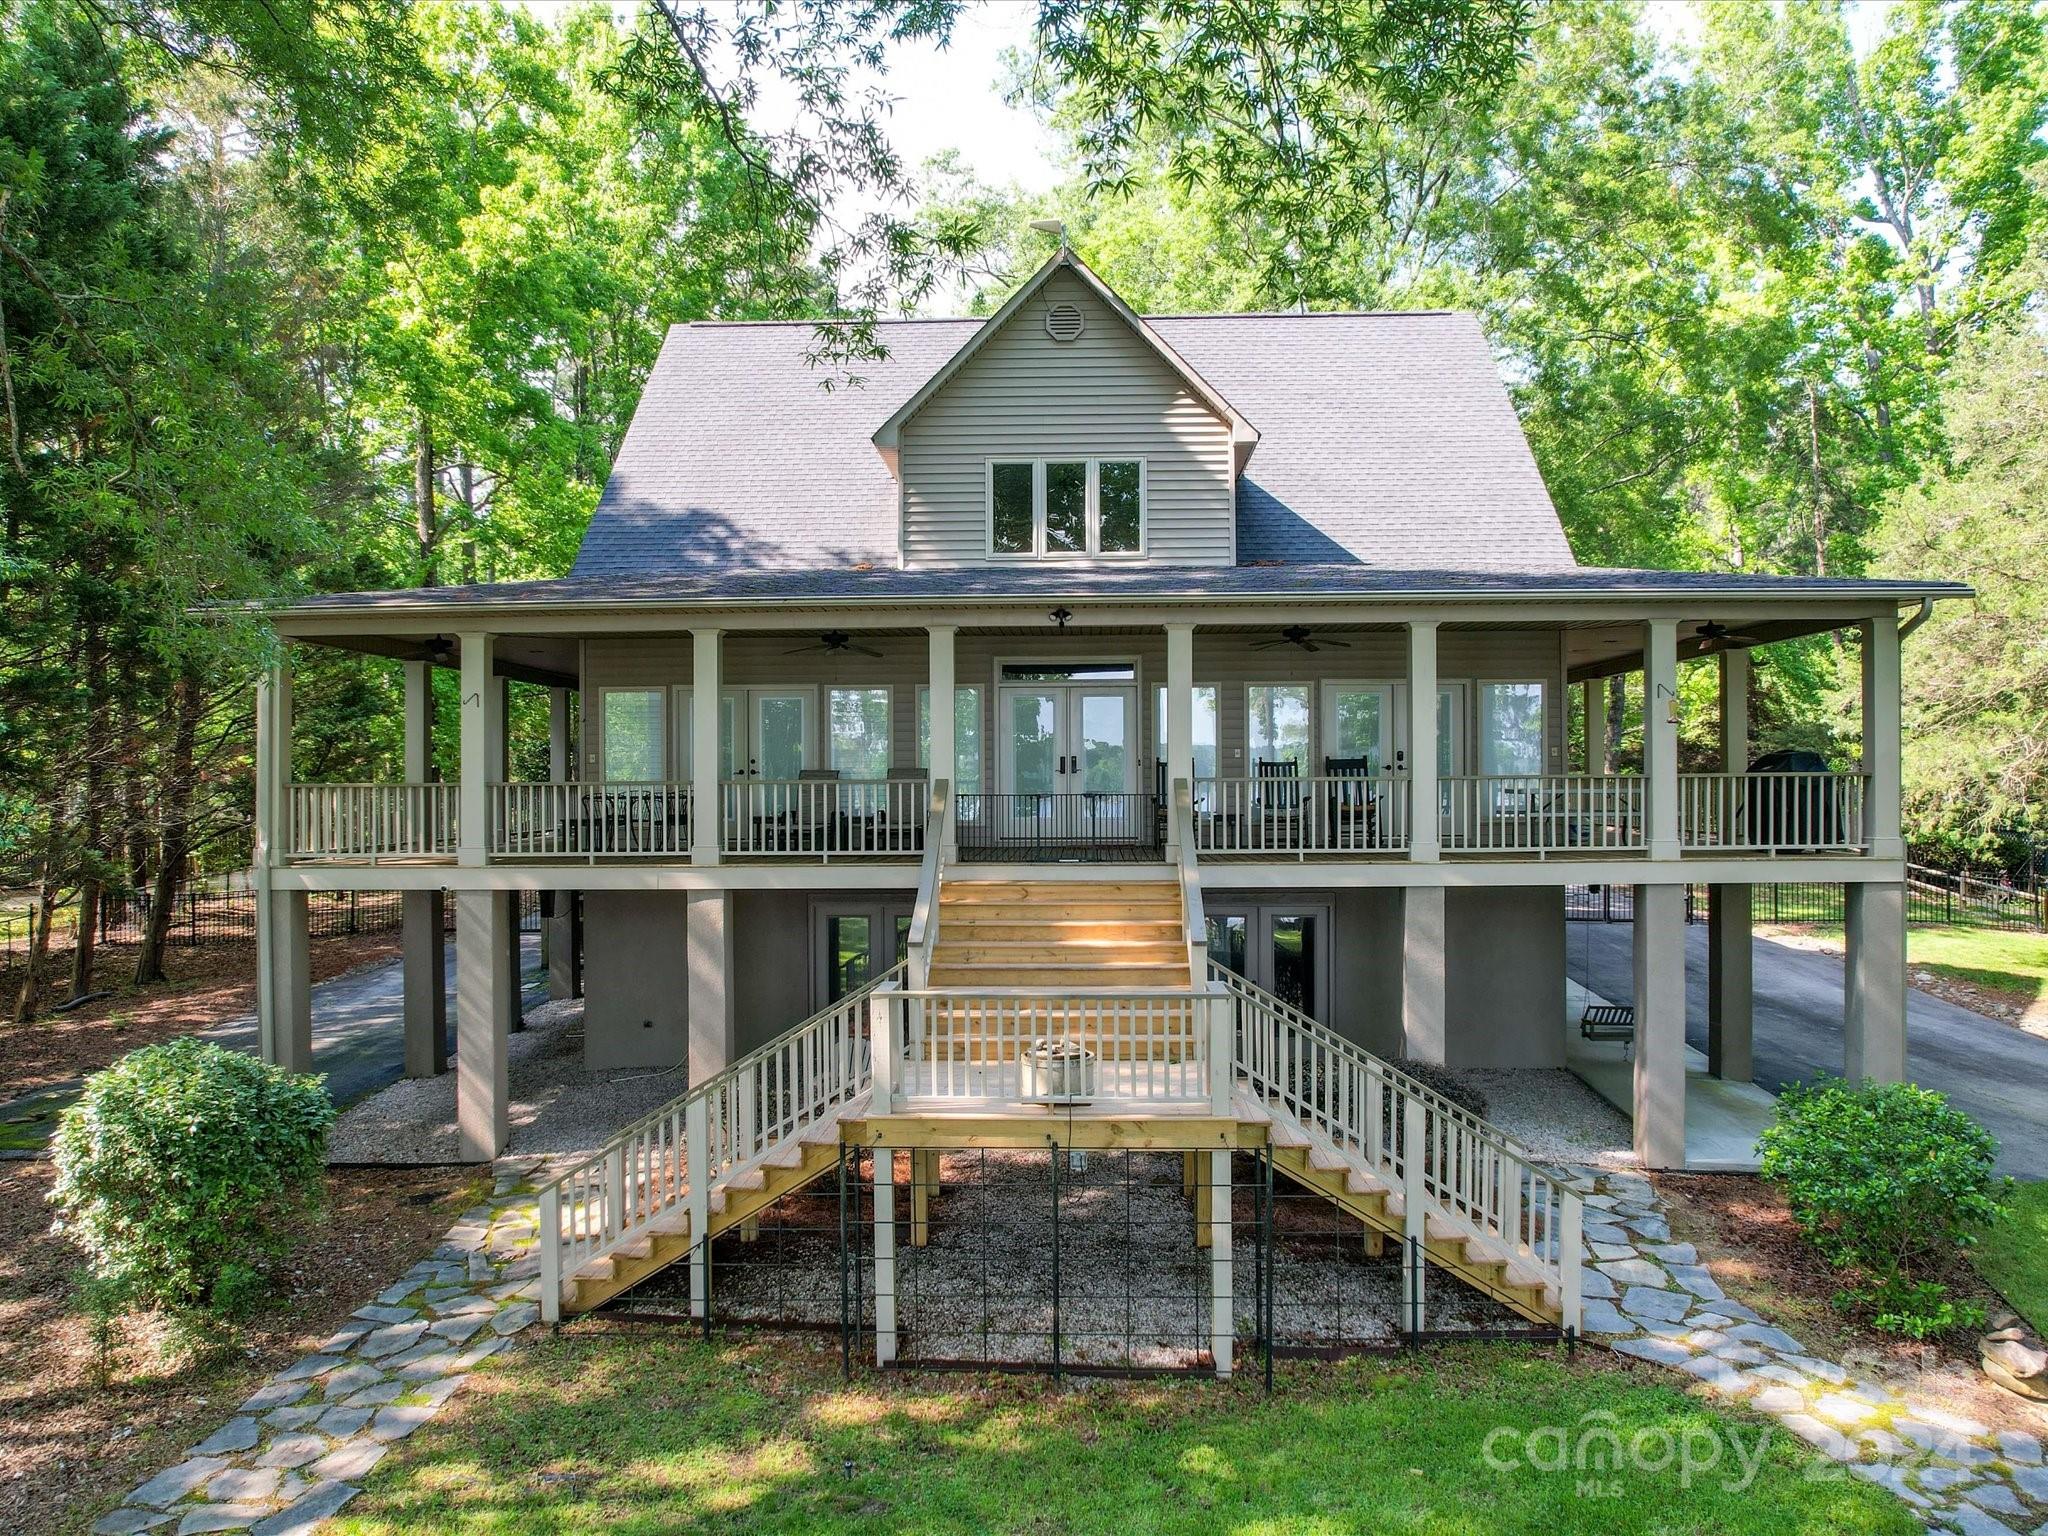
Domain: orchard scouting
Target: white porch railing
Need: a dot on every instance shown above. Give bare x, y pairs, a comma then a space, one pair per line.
671, 1158
371, 821
830, 818
1445, 1159
1543, 813
998, 1047
548, 821
1341, 814
1771, 812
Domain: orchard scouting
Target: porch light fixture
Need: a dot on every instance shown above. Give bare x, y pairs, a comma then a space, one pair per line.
1060, 616
1670, 696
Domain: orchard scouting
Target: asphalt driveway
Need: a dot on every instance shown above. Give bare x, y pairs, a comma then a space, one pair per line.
1992, 1071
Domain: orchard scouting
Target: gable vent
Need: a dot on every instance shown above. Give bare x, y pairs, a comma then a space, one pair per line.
1063, 322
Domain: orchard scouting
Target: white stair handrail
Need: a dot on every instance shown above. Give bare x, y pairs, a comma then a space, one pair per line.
924, 916
1190, 878
755, 1105
1471, 1174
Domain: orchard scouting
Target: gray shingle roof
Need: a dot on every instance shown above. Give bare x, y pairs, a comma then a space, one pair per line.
892, 584
1387, 442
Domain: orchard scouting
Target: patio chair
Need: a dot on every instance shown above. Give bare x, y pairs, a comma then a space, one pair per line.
1354, 808
1279, 802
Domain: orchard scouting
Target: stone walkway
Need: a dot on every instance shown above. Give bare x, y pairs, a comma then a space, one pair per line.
1650, 1297
297, 1448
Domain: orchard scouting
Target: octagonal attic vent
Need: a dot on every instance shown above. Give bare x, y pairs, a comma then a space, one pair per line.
1063, 322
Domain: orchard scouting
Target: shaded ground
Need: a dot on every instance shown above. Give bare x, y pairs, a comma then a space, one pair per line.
1993, 1072
614, 1426
1748, 1241
69, 1447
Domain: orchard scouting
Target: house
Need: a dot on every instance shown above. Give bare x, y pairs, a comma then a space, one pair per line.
1201, 678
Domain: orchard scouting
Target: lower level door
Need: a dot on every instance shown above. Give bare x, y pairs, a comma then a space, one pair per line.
1283, 947
854, 942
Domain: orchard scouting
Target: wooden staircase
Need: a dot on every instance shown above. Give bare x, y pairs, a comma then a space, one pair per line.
1318, 1165
1060, 934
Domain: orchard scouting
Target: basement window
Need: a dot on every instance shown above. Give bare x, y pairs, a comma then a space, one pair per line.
1065, 508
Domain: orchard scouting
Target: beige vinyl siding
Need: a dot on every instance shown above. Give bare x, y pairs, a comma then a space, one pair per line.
1104, 395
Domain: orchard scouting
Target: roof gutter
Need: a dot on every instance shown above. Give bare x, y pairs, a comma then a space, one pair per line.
1926, 612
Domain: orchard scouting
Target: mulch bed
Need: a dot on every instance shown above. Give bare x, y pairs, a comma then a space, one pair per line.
69, 1447
208, 983
1748, 1241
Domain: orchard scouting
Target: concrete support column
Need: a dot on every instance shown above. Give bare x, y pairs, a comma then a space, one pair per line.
1874, 983
514, 1000
1731, 988
1882, 736
1424, 831
482, 1038
422, 915
1660, 1026
1423, 952
285, 1022
1660, 735
707, 813
1594, 693
945, 759
564, 945
483, 744
708, 939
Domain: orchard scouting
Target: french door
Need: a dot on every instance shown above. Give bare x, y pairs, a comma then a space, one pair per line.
853, 942
1370, 720
1069, 738
1281, 946
763, 733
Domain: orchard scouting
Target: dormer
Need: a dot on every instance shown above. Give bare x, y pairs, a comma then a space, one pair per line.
1066, 431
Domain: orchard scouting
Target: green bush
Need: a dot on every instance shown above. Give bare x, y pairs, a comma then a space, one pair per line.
1452, 1085
1890, 1184
181, 1169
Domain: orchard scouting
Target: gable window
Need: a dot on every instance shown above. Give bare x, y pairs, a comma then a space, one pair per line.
1049, 508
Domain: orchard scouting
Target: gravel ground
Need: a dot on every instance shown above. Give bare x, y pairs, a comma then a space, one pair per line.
558, 1106
1134, 1290
1557, 1117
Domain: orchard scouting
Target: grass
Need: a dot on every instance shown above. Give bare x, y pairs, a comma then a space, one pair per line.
2012, 966
2013, 1256
613, 1428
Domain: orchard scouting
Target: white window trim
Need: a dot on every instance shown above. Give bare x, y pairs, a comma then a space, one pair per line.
1478, 708
1093, 549
826, 744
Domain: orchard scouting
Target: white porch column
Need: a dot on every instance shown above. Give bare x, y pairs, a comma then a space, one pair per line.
1731, 999
1222, 1300
1882, 736
558, 917
558, 735
945, 758
708, 940
1177, 751
1660, 1026
707, 813
1423, 965
1424, 828
284, 1000
482, 1036
1594, 692
483, 744
1874, 983
422, 915
1660, 735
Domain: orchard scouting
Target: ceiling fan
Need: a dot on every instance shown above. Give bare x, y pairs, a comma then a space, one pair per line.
834, 642
1714, 636
1301, 635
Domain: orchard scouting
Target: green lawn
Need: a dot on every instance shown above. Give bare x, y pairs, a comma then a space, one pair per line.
2014, 1256
2013, 965
631, 1431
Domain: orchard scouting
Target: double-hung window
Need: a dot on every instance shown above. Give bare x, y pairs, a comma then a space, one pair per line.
1053, 508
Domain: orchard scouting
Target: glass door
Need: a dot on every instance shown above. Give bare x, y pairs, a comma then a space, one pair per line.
781, 731
1358, 726
1283, 947
855, 942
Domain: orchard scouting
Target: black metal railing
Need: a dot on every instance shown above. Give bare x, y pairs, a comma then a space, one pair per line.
1106, 827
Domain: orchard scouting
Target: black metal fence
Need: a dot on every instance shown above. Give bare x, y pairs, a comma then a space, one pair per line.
1104, 828
1928, 905
227, 915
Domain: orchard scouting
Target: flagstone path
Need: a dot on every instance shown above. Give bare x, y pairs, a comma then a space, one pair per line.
300, 1445
1649, 1297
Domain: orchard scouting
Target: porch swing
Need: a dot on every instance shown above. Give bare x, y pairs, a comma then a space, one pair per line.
1603, 1021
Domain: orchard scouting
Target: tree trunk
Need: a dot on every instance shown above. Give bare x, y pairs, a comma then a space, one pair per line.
175, 851
425, 522
40, 921
90, 864
1813, 465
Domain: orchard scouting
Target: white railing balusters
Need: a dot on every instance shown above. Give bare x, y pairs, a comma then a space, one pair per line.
1339, 813
642, 819
1771, 812
829, 818
1543, 813
371, 821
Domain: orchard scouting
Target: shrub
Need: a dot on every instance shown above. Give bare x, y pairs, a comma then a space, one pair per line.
1890, 1184
181, 1168
1443, 1080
